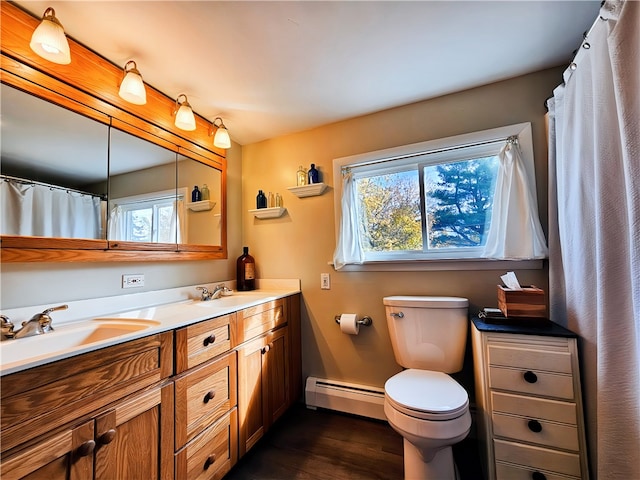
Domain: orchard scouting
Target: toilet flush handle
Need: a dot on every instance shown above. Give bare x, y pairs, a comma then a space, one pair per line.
398, 315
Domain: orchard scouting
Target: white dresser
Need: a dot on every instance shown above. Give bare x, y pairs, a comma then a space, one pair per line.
528, 395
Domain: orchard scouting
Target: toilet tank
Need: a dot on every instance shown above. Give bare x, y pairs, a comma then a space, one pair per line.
428, 333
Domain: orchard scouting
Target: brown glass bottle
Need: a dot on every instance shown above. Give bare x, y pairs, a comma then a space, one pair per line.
246, 271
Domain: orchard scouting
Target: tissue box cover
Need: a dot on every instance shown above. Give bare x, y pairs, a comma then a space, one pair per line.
528, 302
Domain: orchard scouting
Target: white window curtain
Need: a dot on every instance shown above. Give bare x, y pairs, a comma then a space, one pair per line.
43, 211
349, 248
595, 231
515, 232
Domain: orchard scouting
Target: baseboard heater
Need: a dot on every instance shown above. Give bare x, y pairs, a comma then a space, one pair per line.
345, 397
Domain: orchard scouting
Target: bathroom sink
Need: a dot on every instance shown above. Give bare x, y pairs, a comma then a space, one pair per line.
232, 300
70, 337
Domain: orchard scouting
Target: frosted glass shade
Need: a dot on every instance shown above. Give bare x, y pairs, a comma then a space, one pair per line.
49, 41
221, 138
132, 88
185, 119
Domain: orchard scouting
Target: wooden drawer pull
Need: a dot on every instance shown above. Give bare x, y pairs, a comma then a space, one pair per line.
534, 426
209, 396
538, 476
209, 340
209, 461
530, 377
86, 448
107, 437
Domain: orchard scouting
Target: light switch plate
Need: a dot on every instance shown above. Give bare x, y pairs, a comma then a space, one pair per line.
325, 281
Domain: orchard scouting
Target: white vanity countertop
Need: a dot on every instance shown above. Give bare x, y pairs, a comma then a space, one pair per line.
89, 325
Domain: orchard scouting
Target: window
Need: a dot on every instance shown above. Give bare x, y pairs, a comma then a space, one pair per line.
153, 217
427, 201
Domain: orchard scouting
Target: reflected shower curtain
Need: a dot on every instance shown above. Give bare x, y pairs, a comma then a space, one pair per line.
42, 211
595, 231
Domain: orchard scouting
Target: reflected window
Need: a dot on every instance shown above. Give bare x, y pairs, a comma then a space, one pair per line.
157, 217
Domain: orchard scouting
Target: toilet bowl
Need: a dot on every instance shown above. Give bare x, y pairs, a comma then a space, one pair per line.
431, 412
423, 403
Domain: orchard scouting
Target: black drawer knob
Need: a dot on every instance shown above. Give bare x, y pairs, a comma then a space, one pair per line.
209, 340
534, 426
538, 476
209, 396
530, 377
209, 461
86, 448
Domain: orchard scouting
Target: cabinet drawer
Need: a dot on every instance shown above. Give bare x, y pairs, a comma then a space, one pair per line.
257, 320
203, 341
516, 472
204, 395
532, 407
528, 429
532, 382
528, 356
41, 399
212, 453
537, 457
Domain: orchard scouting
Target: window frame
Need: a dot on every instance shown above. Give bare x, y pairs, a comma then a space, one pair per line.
438, 151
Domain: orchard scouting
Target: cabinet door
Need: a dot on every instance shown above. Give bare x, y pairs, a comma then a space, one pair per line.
251, 395
67, 455
276, 375
135, 439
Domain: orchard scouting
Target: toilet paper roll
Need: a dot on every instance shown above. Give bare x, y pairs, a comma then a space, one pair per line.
349, 323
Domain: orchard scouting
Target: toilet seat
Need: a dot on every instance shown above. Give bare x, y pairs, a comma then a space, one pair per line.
426, 395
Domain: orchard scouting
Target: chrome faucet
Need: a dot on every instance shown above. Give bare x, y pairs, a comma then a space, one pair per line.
39, 324
217, 292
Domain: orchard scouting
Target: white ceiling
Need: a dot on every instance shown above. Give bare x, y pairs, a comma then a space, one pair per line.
273, 68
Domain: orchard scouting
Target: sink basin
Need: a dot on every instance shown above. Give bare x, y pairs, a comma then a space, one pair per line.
231, 300
67, 338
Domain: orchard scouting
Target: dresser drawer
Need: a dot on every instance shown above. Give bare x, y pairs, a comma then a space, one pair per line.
531, 382
537, 458
506, 471
203, 341
203, 395
528, 429
528, 356
532, 407
257, 320
212, 453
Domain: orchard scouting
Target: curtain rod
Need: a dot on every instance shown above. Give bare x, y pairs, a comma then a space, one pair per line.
25, 181
512, 138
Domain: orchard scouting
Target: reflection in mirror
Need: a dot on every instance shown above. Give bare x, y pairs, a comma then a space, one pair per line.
144, 205
203, 222
54, 169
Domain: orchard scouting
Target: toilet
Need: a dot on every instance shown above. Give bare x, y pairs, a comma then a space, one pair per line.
423, 403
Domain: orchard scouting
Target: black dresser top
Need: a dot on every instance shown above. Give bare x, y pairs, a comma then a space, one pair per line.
523, 326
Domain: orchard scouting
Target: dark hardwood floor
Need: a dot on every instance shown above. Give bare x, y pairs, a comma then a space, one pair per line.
320, 444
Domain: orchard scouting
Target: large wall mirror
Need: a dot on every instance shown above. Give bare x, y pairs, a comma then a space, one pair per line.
88, 177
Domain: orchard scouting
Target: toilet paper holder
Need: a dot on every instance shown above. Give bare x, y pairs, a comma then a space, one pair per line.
364, 321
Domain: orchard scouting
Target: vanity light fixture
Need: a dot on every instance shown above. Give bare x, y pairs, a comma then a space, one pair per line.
221, 138
49, 41
185, 120
132, 87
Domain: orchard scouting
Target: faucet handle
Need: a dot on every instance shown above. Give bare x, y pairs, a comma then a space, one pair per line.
45, 320
55, 309
206, 294
7, 327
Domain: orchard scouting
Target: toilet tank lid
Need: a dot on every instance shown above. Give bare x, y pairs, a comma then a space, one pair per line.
425, 301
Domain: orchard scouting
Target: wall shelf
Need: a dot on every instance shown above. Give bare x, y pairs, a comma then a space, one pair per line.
274, 212
310, 190
201, 206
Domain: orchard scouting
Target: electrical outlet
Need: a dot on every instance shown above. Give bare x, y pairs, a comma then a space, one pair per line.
325, 281
133, 280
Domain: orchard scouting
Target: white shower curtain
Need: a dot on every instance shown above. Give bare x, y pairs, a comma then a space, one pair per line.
595, 231
43, 211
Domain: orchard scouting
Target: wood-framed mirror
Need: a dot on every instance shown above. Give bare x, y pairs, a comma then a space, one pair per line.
125, 167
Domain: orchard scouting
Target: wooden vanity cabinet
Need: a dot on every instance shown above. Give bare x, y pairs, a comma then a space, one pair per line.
530, 417
106, 414
206, 421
